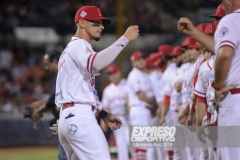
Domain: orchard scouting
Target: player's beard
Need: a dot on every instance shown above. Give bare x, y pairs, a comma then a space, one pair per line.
96, 38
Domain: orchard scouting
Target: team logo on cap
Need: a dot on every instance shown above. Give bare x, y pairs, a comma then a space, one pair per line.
223, 32
83, 14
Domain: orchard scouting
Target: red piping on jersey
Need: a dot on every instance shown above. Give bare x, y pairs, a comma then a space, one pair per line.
166, 100
88, 63
199, 92
74, 40
209, 65
92, 61
201, 100
228, 42
136, 150
226, 45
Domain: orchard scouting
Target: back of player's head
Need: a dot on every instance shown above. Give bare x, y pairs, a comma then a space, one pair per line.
53, 55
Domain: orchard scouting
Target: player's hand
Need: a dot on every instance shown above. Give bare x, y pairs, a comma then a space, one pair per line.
54, 128
112, 121
132, 33
36, 115
189, 120
185, 26
218, 93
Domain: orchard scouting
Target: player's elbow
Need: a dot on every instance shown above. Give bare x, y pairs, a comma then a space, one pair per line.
225, 53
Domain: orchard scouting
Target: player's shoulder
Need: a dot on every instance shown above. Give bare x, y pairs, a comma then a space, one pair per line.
107, 88
204, 65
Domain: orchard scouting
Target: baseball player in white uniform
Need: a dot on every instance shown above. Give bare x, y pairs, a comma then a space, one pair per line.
141, 98
226, 47
79, 132
155, 77
115, 100
172, 102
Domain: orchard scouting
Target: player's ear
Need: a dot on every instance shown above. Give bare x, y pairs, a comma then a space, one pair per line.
82, 24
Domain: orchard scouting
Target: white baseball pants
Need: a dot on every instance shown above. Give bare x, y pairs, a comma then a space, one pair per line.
80, 135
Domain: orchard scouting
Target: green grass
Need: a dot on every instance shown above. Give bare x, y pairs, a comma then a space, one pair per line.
46, 155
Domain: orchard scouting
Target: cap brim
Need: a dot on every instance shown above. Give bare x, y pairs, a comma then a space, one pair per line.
216, 16
105, 21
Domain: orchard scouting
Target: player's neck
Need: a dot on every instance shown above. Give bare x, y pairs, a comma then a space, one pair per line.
83, 35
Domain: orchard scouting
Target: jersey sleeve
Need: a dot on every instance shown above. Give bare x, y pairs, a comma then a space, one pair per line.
200, 89
105, 98
82, 56
227, 32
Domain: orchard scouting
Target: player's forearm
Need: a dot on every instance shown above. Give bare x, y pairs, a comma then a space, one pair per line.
200, 113
108, 55
222, 65
165, 110
43, 109
142, 96
206, 40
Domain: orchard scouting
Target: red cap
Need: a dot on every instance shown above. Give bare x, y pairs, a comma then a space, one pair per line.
189, 42
177, 51
219, 12
202, 27
136, 55
165, 49
211, 29
112, 69
149, 62
90, 13
154, 56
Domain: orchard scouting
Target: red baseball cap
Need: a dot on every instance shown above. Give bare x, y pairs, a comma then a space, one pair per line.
112, 69
177, 51
211, 29
189, 42
136, 55
149, 62
165, 49
154, 56
90, 13
219, 12
202, 27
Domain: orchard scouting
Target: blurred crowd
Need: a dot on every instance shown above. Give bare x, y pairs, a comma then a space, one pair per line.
150, 15
22, 78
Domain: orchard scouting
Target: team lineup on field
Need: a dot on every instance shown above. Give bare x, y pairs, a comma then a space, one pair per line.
119, 79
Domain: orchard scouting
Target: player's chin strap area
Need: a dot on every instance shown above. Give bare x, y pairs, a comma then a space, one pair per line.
41, 130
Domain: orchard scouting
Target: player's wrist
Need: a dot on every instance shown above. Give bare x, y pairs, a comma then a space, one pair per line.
102, 114
217, 87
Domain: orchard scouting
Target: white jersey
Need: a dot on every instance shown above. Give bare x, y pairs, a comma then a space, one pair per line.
139, 81
182, 72
210, 94
228, 34
155, 78
75, 80
115, 98
187, 86
169, 89
202, 81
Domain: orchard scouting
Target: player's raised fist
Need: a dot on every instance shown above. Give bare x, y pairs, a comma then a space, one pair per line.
132, 33
185, 25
